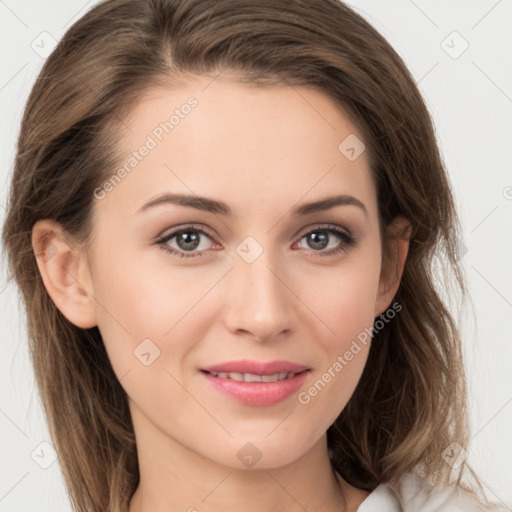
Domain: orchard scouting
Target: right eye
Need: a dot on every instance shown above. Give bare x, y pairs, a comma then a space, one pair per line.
188, 239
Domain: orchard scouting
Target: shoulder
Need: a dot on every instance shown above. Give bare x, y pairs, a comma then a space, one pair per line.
411, 494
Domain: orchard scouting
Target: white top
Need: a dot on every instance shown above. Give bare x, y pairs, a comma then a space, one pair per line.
411, 495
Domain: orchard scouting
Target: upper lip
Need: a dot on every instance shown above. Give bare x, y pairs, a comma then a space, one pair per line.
256, 367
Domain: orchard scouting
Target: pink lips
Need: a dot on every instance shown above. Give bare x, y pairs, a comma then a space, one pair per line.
257, 393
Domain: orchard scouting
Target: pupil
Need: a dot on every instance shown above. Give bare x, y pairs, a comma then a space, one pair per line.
188, 237
318, 241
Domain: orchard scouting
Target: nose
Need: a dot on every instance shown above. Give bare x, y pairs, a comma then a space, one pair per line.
259, 302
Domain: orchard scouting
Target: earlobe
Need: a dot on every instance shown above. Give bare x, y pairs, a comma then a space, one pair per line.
391, 276
64, 273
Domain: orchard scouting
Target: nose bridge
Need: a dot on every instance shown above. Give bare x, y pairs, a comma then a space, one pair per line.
259, 301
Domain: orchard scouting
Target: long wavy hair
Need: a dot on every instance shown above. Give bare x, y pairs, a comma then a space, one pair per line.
410, 404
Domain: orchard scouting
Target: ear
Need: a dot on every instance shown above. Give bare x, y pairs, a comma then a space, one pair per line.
65, 273
391, 273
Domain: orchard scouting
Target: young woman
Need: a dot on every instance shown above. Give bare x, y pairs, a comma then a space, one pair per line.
225, 219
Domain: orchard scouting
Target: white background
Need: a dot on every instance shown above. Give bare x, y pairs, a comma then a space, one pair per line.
470, 99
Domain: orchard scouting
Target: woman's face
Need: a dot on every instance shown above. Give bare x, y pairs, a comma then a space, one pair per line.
260, 278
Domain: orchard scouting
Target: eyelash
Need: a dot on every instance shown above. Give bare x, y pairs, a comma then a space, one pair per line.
347, 241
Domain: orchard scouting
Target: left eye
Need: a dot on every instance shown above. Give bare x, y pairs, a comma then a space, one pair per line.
319, 239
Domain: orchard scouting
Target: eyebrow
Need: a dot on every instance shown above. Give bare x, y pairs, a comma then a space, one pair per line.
218, 207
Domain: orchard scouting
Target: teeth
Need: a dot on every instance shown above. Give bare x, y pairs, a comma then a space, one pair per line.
246, 377
251, 377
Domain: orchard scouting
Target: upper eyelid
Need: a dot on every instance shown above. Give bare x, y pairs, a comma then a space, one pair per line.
172, 232
324, 226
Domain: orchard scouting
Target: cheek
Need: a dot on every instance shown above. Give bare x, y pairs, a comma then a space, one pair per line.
355, 303
344, 299
129, 304
136, 302
347, 308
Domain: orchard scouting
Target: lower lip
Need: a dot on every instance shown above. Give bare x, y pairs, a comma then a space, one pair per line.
258, 393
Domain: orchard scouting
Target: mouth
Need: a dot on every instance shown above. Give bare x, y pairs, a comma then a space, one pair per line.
255, 383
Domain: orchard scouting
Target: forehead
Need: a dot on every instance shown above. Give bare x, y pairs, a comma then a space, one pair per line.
243, 143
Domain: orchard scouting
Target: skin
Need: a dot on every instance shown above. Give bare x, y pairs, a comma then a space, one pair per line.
263, 151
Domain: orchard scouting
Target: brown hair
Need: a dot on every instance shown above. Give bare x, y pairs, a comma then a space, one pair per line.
410, 403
